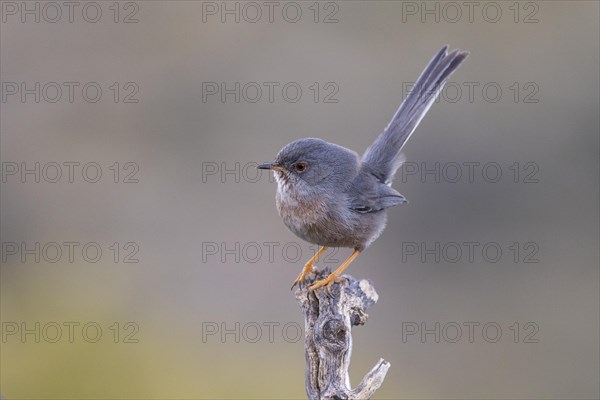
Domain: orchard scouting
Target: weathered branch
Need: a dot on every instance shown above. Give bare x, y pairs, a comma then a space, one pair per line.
328, 319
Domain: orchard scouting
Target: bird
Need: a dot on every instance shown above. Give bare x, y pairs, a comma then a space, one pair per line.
331, 197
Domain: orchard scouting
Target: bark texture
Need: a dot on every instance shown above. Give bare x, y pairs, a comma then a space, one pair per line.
328, 319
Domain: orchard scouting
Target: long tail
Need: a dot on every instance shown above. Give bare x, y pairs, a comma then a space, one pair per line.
383, 156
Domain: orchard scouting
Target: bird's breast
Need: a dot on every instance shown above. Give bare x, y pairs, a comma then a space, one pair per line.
314, 219
301, 214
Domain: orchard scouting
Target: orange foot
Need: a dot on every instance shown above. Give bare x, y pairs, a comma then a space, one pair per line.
308, 267
302, 275
333, 277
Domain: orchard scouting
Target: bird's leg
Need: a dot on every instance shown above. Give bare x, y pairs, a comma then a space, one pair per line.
335, 276
308, 267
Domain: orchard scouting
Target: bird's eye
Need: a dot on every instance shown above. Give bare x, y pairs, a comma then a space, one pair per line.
300, 166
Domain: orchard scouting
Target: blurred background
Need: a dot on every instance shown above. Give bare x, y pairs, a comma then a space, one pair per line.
142, 254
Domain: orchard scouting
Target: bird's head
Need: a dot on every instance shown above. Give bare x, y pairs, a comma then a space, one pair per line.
313, 163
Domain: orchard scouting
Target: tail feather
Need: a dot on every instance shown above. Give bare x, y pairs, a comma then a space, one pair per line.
383, 156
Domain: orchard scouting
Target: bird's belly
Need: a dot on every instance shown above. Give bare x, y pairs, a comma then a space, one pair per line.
314, 222
322, 233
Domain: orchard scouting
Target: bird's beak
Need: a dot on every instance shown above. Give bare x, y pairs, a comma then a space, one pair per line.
271, 166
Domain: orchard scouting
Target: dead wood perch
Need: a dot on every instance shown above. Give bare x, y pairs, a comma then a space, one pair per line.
328, 320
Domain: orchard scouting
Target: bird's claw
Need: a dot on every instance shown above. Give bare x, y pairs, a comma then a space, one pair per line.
328, 282
302, 276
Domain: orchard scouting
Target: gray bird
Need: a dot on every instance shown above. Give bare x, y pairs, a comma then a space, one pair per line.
329, 196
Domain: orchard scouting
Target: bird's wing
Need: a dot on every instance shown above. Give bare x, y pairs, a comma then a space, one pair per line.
367, 194
382, 156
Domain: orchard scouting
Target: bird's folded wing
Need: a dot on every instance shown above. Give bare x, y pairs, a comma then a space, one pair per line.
375, 198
